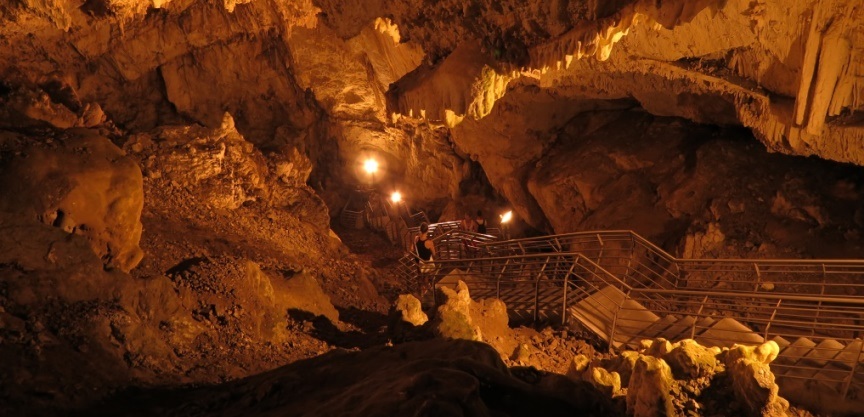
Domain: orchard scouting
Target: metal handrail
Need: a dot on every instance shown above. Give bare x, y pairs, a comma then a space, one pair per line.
780, 314
578, 265
680, 272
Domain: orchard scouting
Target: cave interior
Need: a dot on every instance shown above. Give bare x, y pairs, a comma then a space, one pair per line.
190, 196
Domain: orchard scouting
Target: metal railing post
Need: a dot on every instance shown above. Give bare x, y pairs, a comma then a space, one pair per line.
855, 365
498, 281
632, 255
537, 290
758, 277
819, 304
566, 288
771, 319
696, 320
615, 320
602, 246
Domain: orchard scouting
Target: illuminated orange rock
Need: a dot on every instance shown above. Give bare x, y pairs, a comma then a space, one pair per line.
82, 184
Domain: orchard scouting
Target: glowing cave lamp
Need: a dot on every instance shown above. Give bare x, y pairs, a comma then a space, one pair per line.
506, 217
370, 165
396, 197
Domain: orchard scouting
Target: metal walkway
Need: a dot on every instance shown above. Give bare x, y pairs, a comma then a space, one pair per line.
623, 288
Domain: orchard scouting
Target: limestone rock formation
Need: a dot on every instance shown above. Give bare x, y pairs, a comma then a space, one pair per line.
686, 189
453, 319
666, 379
459, 317
410, 310
749, 371
218, 164
80, 183
302, 292
649, 391
691, 360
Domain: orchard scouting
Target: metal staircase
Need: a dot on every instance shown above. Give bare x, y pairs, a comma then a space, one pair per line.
353, 214
451, 243
625, 289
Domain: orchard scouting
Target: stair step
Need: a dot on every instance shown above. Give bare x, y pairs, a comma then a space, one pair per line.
832, 376
680, 330
652, 331
824, 352
795, 351
657, 328
727, 332
598, 312
787, 363
851, 354
703, 324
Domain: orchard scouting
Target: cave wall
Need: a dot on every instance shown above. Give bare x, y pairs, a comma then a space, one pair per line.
789, 71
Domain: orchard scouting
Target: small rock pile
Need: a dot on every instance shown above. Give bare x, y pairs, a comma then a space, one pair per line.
686, 378
660, 379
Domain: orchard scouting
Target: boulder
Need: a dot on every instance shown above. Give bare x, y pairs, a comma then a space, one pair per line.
658, 347
486, 320
453, 320
409, 309
649, 391
623, 364
522, 354
752, 381
577, 367
81, 183
764, 353
490, 316
92, 115
609, 383
689, 359
303, 292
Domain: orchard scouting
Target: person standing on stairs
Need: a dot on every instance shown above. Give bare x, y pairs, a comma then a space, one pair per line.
481, 222
426, 252
468, 223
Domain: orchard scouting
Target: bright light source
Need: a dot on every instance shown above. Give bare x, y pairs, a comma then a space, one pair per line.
370, 166
506, 217
396, 197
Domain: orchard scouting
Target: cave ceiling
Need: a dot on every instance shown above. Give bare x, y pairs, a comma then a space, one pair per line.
497, 76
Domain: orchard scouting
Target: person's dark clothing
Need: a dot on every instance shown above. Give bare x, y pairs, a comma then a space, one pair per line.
422, 251
481, 226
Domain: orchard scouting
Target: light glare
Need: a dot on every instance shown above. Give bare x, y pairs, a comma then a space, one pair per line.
506, 217
396, 197
370, 166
